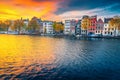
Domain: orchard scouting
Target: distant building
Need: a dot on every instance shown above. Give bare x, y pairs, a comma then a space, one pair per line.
47, 27
92, 25
69, 28
72, 27
84, 25
99, 27
26, 21
107, 31
78, 28
85, 16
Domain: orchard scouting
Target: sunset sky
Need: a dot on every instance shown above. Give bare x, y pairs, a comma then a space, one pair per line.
57, 9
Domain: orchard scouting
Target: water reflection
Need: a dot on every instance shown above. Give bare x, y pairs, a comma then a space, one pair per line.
46, 58
24, 54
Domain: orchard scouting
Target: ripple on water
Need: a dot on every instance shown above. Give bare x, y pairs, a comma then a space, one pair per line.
47, 58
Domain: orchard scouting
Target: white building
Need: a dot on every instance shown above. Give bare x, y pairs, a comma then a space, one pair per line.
99, 27
69, 28
72, 28
117, 33
47, 27
107, 30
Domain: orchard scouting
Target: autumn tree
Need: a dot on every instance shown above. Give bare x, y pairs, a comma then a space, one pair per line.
18, 24
7, 24
33, 25
1, 28
58, 27
115, 23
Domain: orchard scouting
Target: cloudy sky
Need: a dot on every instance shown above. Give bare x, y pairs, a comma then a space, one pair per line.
58, 9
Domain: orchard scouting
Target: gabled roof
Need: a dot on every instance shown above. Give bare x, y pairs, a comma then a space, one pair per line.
100, 21
106, 20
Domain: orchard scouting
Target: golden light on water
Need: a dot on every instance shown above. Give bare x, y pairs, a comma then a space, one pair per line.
24, 51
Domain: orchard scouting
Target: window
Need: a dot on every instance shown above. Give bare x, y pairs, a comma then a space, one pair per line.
111, 33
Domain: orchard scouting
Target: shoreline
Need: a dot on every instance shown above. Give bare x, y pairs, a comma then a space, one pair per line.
71, 36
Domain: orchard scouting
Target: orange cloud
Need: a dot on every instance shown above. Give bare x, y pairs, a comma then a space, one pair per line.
27, 9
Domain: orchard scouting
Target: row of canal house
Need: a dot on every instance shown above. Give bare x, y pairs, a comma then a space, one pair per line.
90, 26
46, 27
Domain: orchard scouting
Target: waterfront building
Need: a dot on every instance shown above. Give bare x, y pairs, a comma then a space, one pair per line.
26, 21
91, 30
78, 28
47, 27
99, 27
84, 25
107, 30
69, 28
72, 27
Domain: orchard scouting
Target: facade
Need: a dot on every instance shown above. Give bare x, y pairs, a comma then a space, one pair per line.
99, 27
117, 32
47, 27
69, 28
72, 27
78, 28
92, 25
84, 25
107, 30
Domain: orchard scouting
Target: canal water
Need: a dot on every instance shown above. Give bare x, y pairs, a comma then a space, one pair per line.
24, 57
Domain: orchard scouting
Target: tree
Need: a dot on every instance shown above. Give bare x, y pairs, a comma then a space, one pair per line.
54, 26
18, 24
1, 25
33, 25
58, 27
7, 24
115, 23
